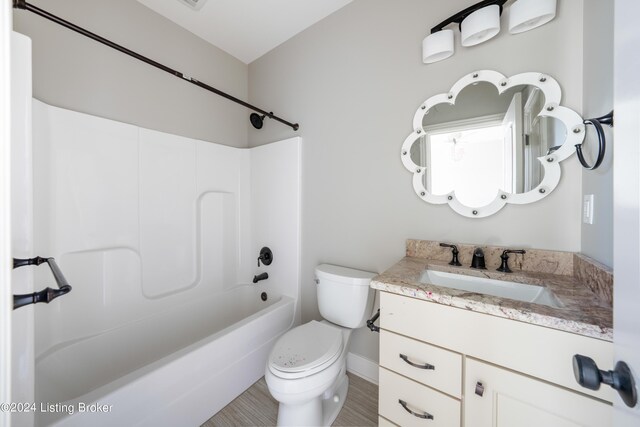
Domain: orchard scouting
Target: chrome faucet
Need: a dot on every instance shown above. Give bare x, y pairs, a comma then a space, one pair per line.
454, 254
478, 259
504, 267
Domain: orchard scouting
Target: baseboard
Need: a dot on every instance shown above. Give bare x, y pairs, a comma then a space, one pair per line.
362, 367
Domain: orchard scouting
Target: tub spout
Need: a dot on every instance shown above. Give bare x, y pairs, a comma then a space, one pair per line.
259, 277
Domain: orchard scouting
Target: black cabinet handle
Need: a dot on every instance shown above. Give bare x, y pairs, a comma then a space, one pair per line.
416, 365
424, 415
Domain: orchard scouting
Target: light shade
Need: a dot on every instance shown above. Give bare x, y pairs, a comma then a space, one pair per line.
525, 15
480, 25
437, 46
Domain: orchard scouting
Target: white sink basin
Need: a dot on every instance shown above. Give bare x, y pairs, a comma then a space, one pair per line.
499, 288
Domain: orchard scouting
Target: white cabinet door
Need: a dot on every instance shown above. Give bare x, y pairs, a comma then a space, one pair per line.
510, 399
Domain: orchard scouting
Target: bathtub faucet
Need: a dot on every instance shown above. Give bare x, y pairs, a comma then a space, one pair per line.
259, 277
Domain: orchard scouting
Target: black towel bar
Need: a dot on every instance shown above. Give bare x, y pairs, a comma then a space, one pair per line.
46, 295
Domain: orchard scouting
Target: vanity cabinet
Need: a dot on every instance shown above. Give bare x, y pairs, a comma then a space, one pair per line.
445, 366
498, 397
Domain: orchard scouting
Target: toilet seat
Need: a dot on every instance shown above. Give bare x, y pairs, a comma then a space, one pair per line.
305, 350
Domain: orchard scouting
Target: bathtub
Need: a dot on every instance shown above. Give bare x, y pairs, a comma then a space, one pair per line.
178, 367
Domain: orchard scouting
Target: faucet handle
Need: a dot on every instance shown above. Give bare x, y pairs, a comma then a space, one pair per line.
454, 254
513, 251
449, 245
506, 252
266, 256
504, 266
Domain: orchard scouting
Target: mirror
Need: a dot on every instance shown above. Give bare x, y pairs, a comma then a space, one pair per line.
486, 142
491, 141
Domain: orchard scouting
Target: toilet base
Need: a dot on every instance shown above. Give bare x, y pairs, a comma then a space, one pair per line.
321, 411
331, 408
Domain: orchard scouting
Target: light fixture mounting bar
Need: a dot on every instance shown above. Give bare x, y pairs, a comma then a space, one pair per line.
22, 4
459, 17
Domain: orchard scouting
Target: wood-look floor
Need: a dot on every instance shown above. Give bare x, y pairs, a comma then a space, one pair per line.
256, 407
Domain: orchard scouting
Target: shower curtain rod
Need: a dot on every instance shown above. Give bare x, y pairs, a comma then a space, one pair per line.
22, 4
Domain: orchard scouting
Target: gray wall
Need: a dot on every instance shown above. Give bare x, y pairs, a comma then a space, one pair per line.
74, 72
597, 238
354, 81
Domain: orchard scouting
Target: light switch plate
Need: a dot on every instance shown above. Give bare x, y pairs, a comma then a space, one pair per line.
587, 209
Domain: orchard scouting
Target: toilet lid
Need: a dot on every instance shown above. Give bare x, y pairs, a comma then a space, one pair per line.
306, 347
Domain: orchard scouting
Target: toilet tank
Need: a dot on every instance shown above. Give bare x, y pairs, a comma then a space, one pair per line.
344, 295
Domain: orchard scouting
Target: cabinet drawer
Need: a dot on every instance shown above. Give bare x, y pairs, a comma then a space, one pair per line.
418, 398
436, 367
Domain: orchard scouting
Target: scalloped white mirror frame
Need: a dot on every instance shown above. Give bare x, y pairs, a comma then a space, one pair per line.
551, 163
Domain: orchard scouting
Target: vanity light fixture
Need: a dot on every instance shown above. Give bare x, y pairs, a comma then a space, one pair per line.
477, 23
481, 25
481, 21
525, 15
437, 46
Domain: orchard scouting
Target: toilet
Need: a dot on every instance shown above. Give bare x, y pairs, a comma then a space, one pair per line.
306, 369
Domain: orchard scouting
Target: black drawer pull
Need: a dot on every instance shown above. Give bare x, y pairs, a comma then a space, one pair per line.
425, 416
416, 365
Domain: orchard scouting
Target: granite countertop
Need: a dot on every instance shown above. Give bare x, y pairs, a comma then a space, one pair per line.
583, 312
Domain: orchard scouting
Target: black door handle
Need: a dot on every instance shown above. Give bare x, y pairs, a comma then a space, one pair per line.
588, 375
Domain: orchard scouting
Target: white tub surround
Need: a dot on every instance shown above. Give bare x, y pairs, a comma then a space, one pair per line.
158, 235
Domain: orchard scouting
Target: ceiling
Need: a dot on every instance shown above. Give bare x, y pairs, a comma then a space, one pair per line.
246, 29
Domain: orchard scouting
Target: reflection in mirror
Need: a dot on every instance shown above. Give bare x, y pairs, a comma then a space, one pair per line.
486, 142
